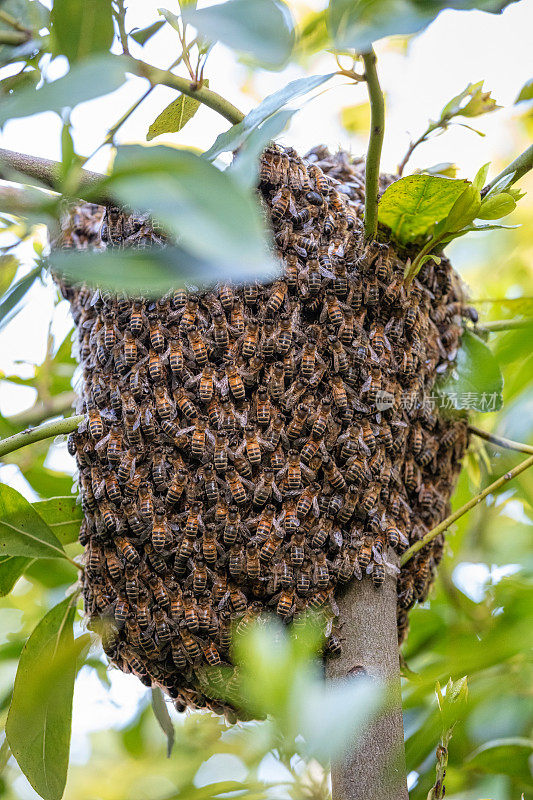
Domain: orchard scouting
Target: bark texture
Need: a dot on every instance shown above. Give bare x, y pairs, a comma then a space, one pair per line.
376, 769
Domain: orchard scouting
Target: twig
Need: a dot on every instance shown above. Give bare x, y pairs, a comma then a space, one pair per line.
519, 166
499, 441
45, 431
505, 325
201, 93
13, 38
474, 501
59, 404
412, 147
10, 20
120, 16
375, 143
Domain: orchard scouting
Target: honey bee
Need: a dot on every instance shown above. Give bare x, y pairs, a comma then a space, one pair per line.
198, 347
263, 407
190, 311
95, 425
220, 455
160, 531
282, 202
184, 403
380, 343
157, 339
276, 299
271, 546
272, 435
190, 645
136, 323
235, 382
199, 437
236, 486
308, 501
285, 603
127, 550
237, 600
209, 545
321, 572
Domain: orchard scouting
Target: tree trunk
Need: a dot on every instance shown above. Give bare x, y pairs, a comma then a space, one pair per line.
376, 769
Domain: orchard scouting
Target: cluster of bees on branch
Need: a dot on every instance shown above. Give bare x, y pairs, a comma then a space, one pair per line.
249, 449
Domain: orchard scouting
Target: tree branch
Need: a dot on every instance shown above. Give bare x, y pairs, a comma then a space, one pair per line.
520, 166
375, 768
499, 441
375, 143
40, 169
505, 325
474, 501
45, 431
184, 85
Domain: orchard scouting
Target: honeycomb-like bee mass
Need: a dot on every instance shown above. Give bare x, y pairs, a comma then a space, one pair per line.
256, 448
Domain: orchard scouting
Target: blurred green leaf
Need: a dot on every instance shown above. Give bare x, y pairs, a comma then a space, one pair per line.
412, 205
445, 169
39, 720
356, 119
262, 29
162, 716
81, 29
10, 301
171, 18
63, 515
92, 78
526, 92
151, 272
142, 35
313, 34
213, 216
475, 381
237, 134
23, 531
245, 166
346, 711
32, 16
175, 116
11, 568
471, 102
357, 23
504, 756
51, 574
8, 267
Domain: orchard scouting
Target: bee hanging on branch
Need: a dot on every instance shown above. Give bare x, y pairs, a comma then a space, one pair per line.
253, 449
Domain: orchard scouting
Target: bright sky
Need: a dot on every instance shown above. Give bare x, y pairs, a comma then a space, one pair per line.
458, 48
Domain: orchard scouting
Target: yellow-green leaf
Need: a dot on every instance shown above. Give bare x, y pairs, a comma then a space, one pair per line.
175, 116
411, 206
63, 515
22, 531
39, 720
356, 119
497, 206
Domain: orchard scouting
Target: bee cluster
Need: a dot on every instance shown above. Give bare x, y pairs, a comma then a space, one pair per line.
251, 448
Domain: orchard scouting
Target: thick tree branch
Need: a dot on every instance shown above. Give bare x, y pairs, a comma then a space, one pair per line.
474, 501
46, 431
42, 170
375, 769
373, 156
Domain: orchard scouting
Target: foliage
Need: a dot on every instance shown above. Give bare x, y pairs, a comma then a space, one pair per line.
479, 627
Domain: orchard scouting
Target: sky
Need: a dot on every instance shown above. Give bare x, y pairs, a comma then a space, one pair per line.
458, 48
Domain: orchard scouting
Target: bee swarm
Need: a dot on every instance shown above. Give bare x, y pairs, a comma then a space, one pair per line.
256, 448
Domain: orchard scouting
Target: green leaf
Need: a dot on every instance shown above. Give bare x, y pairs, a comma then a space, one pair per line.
481, 176
92, 78
313, 35
171, 18
175, 116
237, 134
496, 206
32, 16
411, 206
39, 720
471, 102
11, 300
463, 212
63, 515
150, 272
214, 218
142, 35
8, 268
526, 92
161, 714
475, 382
262, 29
357, 23
81, 29
23, 532
11, 568
510, 756
445, 169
